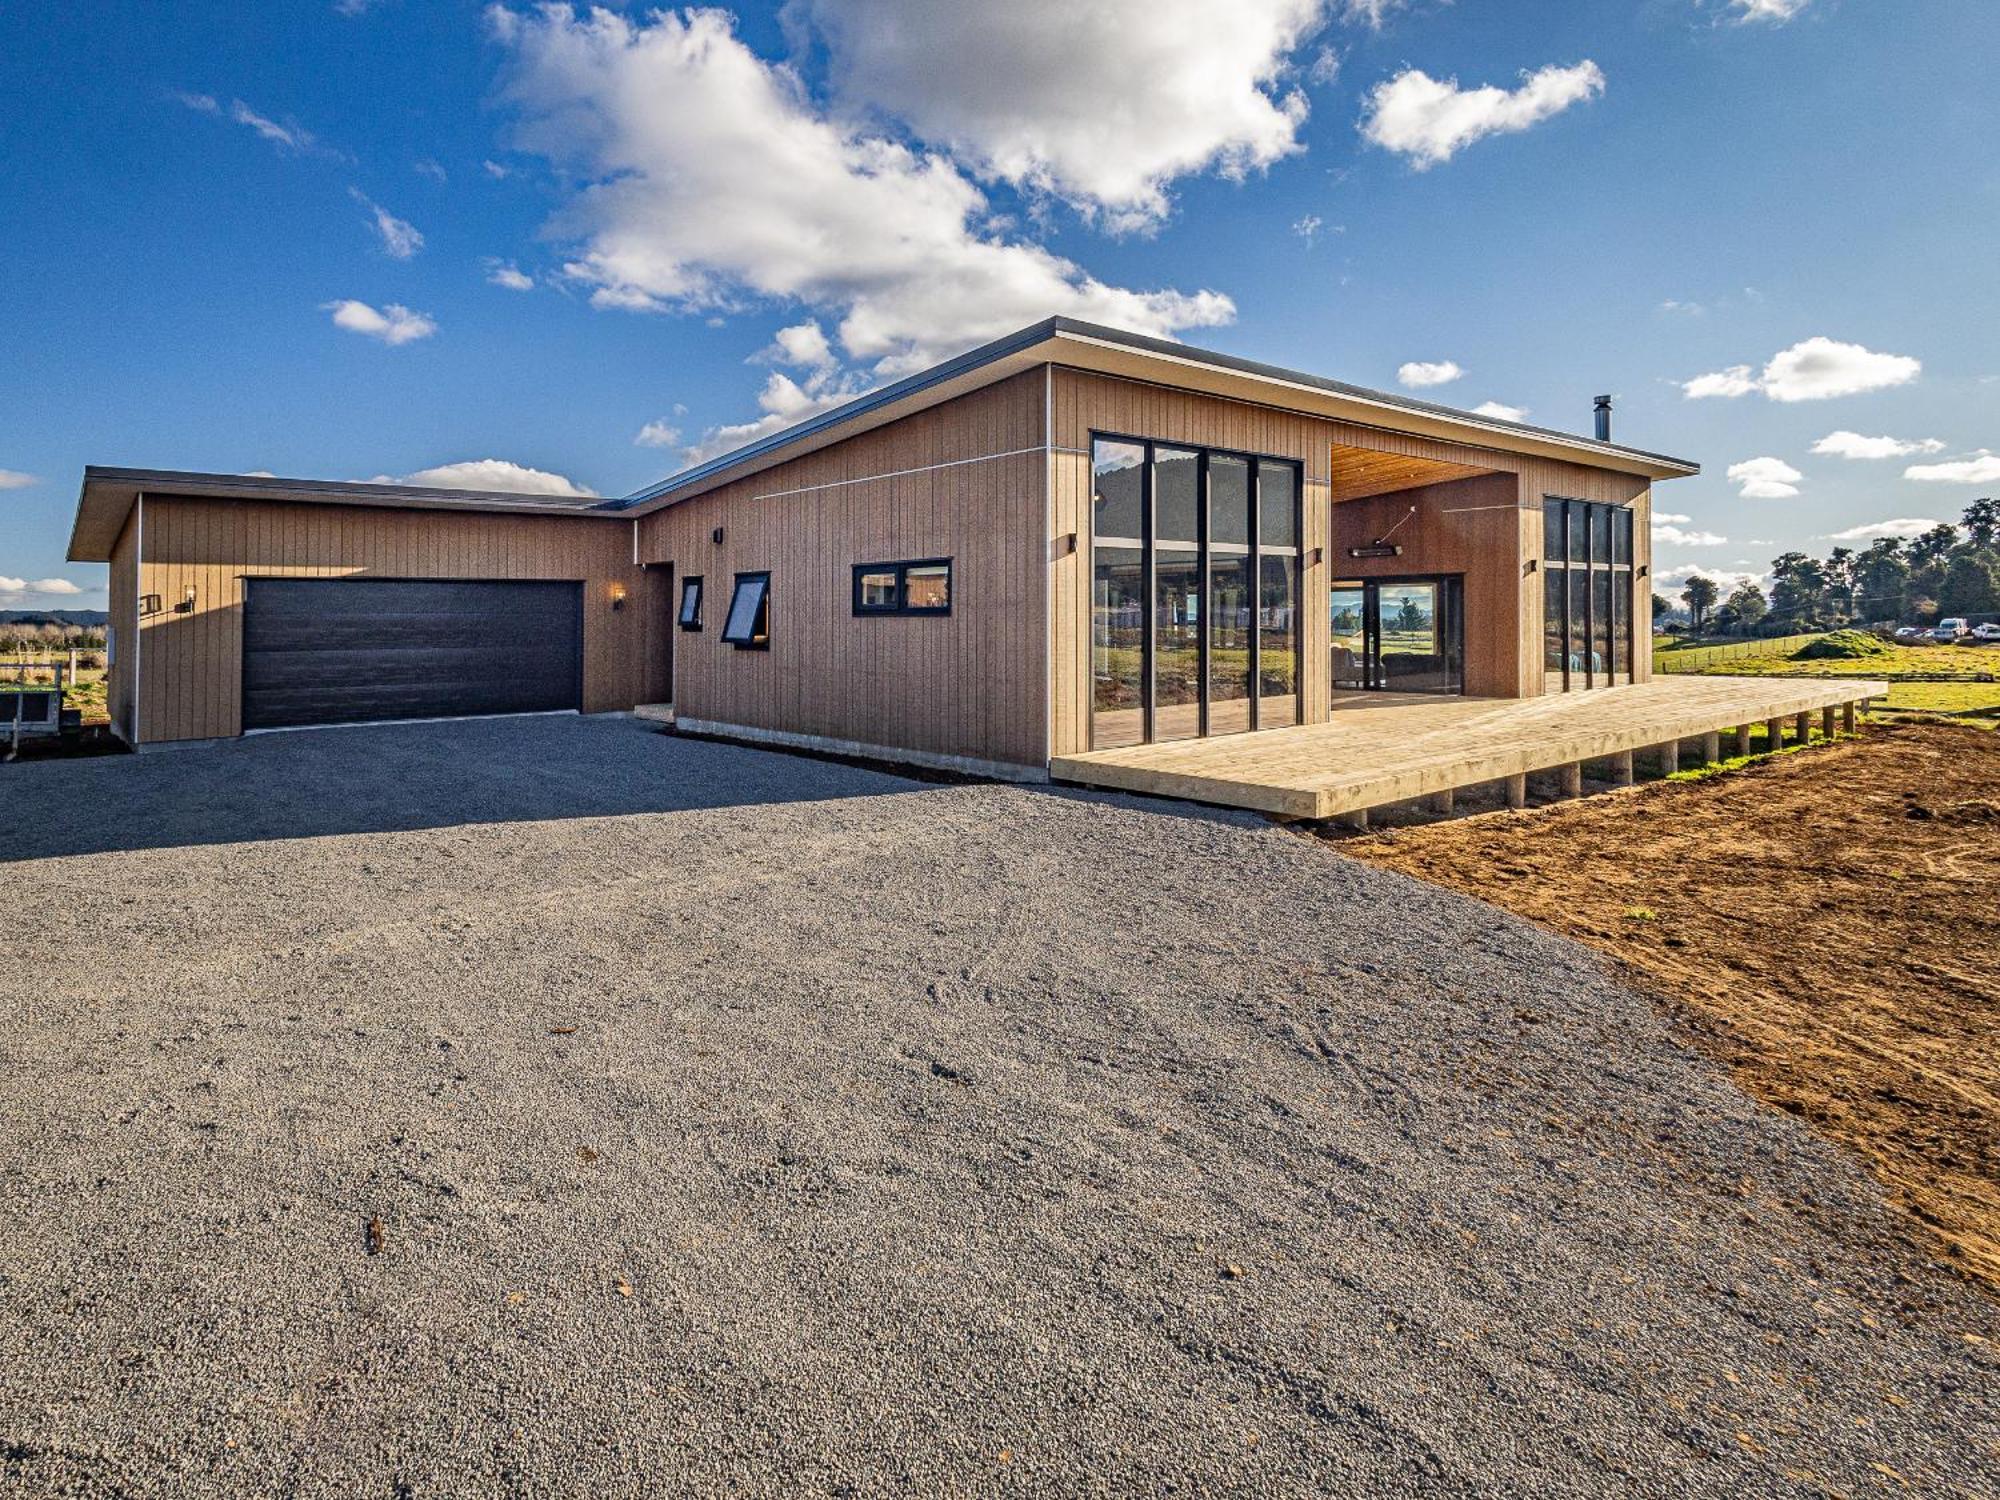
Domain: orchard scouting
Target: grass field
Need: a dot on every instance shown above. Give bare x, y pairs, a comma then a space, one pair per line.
1964, 697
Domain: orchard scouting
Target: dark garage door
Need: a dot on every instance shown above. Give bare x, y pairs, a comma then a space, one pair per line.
345, 650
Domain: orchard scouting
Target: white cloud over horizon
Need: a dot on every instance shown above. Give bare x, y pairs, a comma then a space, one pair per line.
1501, 411
1982, 467
1673, 536
658, 433
55, 587
1814, 369
1672, 580
1853, 445
1765, 479
1902, 526
492, 474
14, 479
712, 182
1101, 105
393, 324
1776, 11
1421, 374
1429, 120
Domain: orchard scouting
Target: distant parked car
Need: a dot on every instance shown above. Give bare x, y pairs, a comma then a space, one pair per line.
1951, 628
1986, 632
1908, 632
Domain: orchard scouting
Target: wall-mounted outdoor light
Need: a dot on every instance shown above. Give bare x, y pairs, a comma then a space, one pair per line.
1066, 544
617, 596
186, 606
1315, 557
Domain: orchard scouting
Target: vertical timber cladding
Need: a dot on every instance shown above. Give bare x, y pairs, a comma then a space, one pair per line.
1465, 526
966, 480
190, 684
1086, 403
122, 663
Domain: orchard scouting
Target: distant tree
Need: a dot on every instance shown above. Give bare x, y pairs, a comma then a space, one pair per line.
1699, 595
1982, 524
1743, 609
1934, 546
1837, 600
1971, 586
1410, 617
1882, 581
1798, 588
1662, 605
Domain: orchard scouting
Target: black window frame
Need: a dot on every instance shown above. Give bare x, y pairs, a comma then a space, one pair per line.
751, 642
1149, 544
690, 581
902, 605
1559, 563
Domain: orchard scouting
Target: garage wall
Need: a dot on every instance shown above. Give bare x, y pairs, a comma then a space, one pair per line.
191, 671
124, 612
966, 480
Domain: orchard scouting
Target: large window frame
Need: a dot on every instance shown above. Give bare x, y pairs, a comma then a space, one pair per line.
1589, 598
753, 634
1207, 551
900, 599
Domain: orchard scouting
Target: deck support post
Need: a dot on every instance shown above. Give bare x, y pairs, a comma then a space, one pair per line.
1621, 768
1826, 722
1711, 748
1743, 739
1847, 717
1517, 791
1572, 779
1443, 802
1670, 757
1774, 735
1804, 725
1356, 820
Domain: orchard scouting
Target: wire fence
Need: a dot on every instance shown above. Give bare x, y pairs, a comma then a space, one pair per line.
1696, 657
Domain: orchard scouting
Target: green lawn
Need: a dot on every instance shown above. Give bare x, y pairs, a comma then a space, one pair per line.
1964, 697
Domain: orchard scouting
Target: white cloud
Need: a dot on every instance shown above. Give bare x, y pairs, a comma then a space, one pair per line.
803, 344
400, 238
492, 474
658, 434
1765, 479
14, 479
1673, 536
431, 169
1727, 384
37, 586
506, 273
1845, 444
1982, 467
1904, 526
1102, 105
1767, 10
1815, 369
496, 171
784, 402
290, 137
1683, 309
1501, 411
1370, 13
1308, 227
1419, 374
393, 324
1669, 518
1673, 580
712, 178
1430, 120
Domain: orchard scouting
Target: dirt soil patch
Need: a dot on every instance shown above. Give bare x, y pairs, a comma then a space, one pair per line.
1828, 922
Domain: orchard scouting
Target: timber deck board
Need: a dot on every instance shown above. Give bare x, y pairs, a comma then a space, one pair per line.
1381, 748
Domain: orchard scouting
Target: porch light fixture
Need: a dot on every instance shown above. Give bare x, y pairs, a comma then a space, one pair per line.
617, 596
186, 606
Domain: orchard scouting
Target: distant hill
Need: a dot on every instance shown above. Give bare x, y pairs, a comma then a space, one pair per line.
54, 617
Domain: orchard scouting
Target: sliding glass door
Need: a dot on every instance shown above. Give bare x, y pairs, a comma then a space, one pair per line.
1194, 592
1399, 635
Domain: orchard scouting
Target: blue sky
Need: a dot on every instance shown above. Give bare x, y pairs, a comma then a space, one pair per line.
277, 237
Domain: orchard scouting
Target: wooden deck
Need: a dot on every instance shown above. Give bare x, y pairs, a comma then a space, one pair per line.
1381, 748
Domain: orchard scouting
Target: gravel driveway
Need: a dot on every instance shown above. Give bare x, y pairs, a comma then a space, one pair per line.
739, 1123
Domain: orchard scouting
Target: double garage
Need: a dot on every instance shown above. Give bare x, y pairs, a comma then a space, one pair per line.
351, 650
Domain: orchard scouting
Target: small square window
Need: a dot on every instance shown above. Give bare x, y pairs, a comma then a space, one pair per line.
748, 627
903, 588
877, 590
690, 615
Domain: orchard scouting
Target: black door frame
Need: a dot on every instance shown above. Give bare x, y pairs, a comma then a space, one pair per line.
1451, 631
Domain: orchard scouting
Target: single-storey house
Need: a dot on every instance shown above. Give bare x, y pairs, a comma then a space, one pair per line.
1072, 542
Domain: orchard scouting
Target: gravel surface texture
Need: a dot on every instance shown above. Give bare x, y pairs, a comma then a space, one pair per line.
555, 1107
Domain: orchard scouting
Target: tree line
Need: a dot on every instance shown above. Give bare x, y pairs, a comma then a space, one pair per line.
1944, 572
19, 637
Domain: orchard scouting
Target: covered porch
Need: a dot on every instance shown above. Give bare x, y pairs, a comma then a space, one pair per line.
1382, 748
